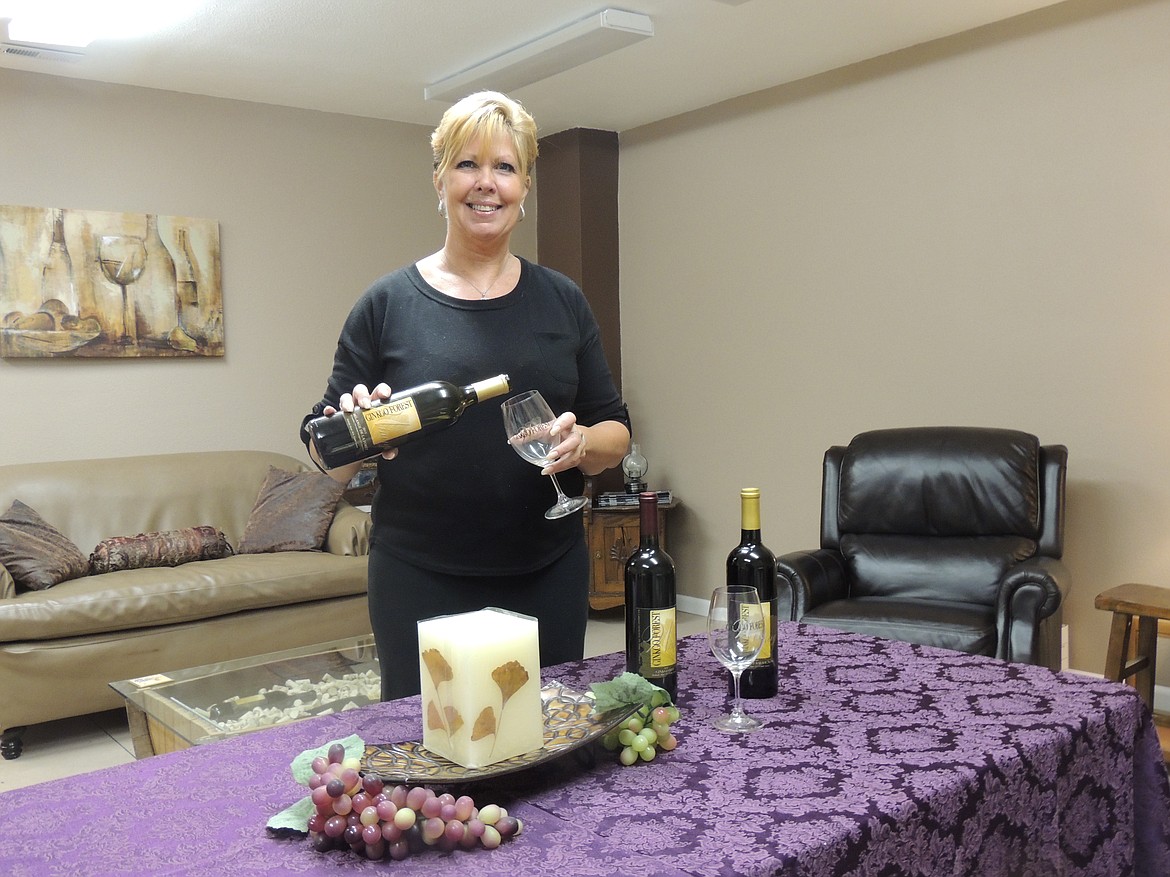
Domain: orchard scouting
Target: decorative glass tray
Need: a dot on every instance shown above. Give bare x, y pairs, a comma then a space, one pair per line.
569, 723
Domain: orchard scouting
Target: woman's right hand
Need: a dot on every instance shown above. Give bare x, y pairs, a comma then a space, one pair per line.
363, 397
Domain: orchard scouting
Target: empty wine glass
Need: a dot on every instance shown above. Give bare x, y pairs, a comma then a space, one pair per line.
735, 630
528, 421
122, 258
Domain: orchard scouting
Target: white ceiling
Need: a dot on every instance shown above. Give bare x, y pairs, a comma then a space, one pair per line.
373, 57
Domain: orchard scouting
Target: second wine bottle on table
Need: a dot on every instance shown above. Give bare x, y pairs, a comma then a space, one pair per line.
343, 438
650, 616
753, 564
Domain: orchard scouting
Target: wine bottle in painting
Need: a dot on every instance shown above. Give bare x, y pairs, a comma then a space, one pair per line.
57, 277
187, 286
751, 563
157, 310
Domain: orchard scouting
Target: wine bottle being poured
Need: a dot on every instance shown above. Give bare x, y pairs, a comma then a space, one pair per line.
343, 437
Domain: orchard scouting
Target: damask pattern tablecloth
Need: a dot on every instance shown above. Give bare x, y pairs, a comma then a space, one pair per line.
877, 758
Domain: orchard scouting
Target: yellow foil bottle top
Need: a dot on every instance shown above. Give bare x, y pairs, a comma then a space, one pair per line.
491, 388
749, 503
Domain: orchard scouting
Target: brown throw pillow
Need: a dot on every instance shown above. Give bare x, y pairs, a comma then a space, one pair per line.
292, 513
35, 553
7, 585
169, 548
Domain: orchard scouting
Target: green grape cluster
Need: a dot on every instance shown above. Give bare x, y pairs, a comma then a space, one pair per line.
647, 730
379, 821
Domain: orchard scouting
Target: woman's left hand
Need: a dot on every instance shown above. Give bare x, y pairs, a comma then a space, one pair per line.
572, 449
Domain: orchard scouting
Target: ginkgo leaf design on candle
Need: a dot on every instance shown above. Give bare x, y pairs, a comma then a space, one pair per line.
437, 666
509, 678
439, 717
454, 720
434, 717
448, 720
485, 724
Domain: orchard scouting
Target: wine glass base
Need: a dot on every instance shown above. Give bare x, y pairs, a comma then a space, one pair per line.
737, 723
568, 507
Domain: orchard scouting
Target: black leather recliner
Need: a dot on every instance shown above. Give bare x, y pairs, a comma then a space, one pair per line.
942, 536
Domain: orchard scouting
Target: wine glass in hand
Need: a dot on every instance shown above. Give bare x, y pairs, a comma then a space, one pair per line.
735, 630
528, 422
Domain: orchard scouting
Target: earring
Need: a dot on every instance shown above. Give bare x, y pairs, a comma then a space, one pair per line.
521, 213
442, 208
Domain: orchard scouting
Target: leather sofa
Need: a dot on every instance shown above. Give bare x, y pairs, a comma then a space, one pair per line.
941, 536
61, 647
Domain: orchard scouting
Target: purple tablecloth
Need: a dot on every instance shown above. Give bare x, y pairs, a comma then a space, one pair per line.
877, 758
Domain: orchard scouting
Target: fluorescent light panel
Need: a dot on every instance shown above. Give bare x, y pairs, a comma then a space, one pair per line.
77, 23
563, 49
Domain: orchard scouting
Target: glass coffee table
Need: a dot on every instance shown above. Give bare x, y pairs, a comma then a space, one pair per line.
177, 709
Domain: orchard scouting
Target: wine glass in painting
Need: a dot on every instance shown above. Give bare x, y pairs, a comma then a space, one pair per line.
122, 258
735, 631
528, 421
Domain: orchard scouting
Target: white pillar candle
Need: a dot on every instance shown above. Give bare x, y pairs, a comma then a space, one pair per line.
480, 674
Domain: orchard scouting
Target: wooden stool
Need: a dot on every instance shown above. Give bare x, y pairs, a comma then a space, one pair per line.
1146, 604
1149, 606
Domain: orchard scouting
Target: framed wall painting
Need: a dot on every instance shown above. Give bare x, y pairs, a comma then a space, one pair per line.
86, 283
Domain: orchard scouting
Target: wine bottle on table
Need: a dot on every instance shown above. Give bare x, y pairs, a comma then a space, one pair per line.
650, 600
343, 438
753, 564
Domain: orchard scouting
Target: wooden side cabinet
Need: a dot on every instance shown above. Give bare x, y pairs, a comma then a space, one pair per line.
612, 535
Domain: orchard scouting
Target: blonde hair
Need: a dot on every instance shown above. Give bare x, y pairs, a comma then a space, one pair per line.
484, 115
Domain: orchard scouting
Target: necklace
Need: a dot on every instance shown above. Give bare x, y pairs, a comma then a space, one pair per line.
483, 293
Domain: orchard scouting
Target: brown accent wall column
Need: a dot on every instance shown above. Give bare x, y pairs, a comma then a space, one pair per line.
577, 223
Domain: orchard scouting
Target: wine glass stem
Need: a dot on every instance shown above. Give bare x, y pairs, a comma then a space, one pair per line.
560, 493
129, 327
735, 709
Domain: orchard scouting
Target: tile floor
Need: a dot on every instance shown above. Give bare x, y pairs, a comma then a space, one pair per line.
73, 746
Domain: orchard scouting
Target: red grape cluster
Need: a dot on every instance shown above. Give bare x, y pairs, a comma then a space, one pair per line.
379, 821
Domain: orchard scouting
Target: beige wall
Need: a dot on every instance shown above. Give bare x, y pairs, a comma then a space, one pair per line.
975, 231
312, 207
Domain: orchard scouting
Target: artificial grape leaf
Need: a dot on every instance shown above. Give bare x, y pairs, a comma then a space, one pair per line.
302, 765
485, 725
624, 690
293, 820
454, 720
434, 717
437, 666
510, 677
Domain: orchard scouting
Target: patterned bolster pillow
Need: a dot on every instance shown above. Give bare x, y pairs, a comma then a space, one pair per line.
170, 548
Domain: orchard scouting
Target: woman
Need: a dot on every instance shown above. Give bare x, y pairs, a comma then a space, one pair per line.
459, 516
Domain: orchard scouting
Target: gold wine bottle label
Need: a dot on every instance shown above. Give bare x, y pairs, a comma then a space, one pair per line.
658, 654
389, 421
766, 621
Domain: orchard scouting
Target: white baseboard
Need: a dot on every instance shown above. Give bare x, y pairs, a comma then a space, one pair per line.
691, 605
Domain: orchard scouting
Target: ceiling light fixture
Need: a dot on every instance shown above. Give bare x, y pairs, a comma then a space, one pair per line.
77, 23
563, 49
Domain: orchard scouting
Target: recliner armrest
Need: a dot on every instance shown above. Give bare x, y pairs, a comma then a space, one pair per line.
813, 577
1028, 608
349, 534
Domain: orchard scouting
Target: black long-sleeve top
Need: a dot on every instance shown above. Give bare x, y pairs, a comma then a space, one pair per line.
461, 500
